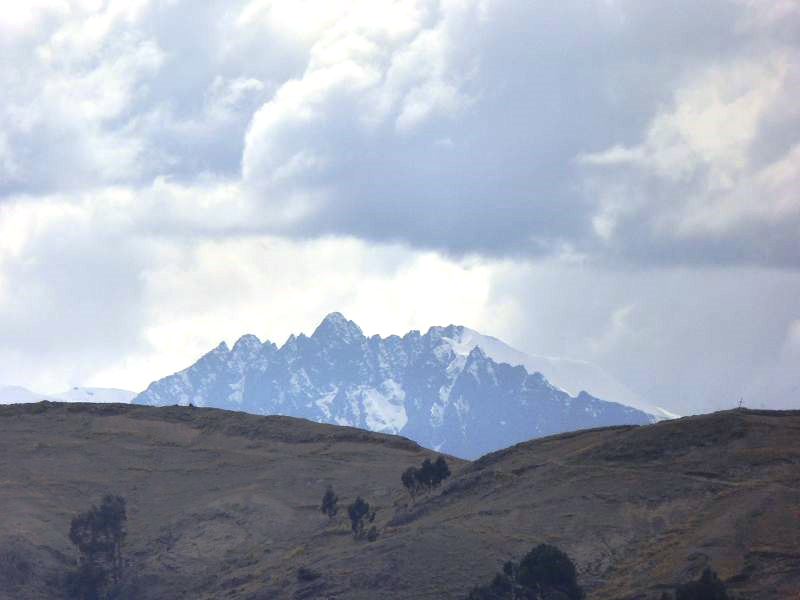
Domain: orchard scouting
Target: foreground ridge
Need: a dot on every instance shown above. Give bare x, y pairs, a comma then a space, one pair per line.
226, 504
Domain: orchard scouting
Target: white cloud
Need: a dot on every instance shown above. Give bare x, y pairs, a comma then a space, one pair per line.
101, 297
699, 172
408, 163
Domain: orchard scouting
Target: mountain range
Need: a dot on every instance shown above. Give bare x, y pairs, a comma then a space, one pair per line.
440, 388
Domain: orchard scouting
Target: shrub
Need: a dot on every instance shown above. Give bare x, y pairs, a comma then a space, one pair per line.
15, 567
360, 514
306, 574
440, 470
546, 566
708, 587
329, 504
429, 476
372, 534
98, 535
545, 572
410, 481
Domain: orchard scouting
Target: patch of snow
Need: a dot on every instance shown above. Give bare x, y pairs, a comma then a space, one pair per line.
437, 414
664, 414
14, 394
565, 374
237, 393
325, 402
384, 408
99, 395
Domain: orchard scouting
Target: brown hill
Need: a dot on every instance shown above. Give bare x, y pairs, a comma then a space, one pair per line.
225, 505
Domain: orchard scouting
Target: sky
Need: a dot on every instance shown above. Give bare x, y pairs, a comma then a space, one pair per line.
606, 180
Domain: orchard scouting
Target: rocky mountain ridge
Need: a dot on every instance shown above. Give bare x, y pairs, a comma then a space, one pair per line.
422, 386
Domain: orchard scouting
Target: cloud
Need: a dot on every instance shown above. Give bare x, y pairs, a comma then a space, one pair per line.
681, 337
611, 130
710, 182
614, 181
91, 294
69, 295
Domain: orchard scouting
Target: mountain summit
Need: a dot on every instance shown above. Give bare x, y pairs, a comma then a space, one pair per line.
431, 387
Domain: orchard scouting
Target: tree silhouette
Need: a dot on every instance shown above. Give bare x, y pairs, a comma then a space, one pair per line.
440, 471
98, 535
360, 514
546, 566
329, 504
410, 481
427, 477
708, 587
545, 572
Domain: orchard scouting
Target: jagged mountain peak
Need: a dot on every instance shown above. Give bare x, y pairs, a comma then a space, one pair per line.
336, 326
476, 354
448, 331
248, 342
222, 348
440, 388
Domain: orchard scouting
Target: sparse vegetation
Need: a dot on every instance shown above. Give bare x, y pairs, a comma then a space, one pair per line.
425, 478
708, 587
410, 482
305, 574
98, 535
372, 534
544, 572
360, 514
329, 504
15, 568
251, 518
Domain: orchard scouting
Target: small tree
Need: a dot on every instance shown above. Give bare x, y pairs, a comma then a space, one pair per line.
429, 476
410, 481
440, 471
98, 535
426, 475
545, 572
329, 503
708, 587
360, 514
546, 566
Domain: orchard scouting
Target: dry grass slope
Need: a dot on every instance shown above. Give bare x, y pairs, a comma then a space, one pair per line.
225, 505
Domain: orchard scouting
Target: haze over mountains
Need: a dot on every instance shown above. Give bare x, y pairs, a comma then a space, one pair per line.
14, 394
441, 389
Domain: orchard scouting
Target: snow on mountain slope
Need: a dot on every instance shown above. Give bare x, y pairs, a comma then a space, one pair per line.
14, 394
570, 375
438, 388
98, 395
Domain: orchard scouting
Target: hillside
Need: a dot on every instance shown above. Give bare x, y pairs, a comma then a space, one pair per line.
438, 388
224, 504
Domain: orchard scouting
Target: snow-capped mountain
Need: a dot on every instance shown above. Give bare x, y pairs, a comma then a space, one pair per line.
570, 375
98, 395
424, 386
14, 394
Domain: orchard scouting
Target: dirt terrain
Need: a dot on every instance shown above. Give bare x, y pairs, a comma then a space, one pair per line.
225, 505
